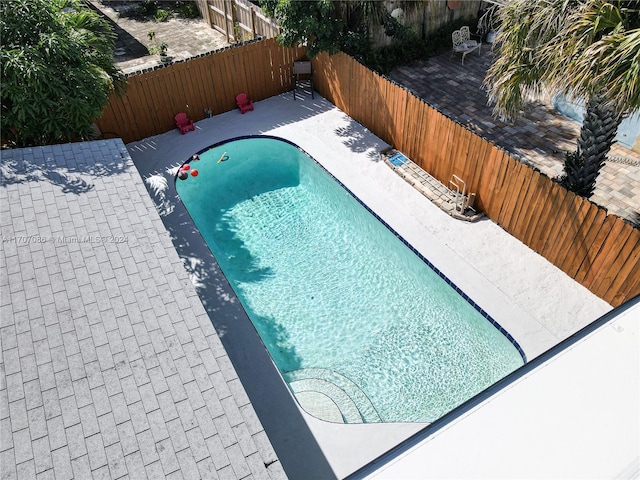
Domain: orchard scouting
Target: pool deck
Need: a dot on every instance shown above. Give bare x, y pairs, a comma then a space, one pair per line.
537, 303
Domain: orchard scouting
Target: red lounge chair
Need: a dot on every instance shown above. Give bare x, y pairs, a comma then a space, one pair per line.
184, 123
243, 102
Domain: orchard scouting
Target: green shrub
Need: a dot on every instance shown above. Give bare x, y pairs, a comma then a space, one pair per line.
162, 15
162, 10
406, 47
189, 10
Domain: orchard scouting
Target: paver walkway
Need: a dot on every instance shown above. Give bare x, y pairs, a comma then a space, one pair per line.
110, 366
538, 138
186, 38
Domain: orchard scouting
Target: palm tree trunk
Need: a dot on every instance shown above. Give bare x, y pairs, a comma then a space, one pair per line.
582, 167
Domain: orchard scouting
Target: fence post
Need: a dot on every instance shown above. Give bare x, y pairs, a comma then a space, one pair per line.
233, 4
206, 14
252, 12
226, 21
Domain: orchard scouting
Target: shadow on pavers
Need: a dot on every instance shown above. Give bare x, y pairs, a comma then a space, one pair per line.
133, 49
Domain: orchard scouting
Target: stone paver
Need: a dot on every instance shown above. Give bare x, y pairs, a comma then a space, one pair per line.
185, 38
539, 138
107, 367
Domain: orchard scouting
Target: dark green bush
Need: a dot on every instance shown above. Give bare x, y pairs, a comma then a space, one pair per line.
161, 10
189, 10
162, 15
406, 47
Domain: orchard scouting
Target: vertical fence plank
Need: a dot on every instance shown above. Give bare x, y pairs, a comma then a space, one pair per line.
607, 254
583, 243
495, 194
512, 190
556, 214
587, 267
520, 206
538, 231
620, 269
576, 214
566, 211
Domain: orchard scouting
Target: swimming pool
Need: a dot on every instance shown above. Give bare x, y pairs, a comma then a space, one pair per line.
361, 327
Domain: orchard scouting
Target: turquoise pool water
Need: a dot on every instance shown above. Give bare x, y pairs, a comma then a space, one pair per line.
362, 329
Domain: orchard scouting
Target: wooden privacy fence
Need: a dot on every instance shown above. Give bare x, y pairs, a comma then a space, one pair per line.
600, 251
239, 20
261, 69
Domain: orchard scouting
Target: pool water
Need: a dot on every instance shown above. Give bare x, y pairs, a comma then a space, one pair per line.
362, 329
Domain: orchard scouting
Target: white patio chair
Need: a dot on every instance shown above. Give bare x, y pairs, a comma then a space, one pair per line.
466, 36
462, 46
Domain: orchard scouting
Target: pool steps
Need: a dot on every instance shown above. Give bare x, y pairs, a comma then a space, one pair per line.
353, 403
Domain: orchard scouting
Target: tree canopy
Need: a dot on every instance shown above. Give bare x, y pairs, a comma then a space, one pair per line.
326, 25
56, 70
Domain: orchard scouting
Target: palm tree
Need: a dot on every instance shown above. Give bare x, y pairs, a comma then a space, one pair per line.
581, 48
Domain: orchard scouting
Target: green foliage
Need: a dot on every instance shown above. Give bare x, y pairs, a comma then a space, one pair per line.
162, 15
333, 26
148, 8
315, 24
325, 25
406, 48
579, 48
156, 48
188, 10
584, 49
440, 40
162, 10
57, 70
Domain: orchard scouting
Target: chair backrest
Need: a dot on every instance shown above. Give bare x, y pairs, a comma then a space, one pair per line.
456, 38
465, 33
302, 68
241, 99
181, 118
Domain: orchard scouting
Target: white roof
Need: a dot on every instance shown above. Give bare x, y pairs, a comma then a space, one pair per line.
573, 414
